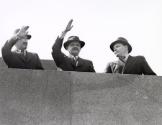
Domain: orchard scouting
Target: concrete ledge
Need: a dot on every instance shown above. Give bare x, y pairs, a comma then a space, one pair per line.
33, 97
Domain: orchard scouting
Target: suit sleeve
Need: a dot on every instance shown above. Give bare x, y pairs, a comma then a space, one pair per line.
6, 51
57, 55
39, 65
146, 68
91, 69
108, 69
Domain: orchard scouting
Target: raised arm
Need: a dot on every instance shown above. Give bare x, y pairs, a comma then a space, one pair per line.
57, 55
6, 49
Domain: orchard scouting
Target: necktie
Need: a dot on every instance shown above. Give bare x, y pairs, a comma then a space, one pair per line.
75, 61
118, 67
122, 58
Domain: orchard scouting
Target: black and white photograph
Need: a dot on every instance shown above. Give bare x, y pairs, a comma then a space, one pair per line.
81, 62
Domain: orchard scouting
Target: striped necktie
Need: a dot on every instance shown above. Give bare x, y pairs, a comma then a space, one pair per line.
75, 61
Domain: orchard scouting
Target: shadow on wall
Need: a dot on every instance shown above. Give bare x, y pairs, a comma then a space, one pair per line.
47, 64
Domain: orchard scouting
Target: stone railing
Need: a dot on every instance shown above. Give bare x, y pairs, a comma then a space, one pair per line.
49, 97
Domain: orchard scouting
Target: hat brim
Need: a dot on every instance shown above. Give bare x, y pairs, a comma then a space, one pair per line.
28, 36
66, 44
122, 42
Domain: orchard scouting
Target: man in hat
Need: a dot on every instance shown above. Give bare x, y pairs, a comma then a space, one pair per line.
20, 58
126, 63
73, 45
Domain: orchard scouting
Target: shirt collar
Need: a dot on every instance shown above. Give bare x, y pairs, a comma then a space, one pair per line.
124, 59
73, 57
20, 51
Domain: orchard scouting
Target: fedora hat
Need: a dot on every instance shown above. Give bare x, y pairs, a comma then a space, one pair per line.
27, 36
72, 39
123, 41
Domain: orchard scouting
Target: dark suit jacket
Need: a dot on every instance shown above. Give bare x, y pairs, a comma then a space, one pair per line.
65, 63
17, 60
135, 65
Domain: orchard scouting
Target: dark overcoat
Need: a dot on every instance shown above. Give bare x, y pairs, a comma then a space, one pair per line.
134, 65
67, 64
18, 60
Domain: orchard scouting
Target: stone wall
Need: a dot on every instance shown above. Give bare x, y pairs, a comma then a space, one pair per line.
49, 97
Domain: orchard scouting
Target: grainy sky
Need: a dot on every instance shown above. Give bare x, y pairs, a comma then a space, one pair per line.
97, 22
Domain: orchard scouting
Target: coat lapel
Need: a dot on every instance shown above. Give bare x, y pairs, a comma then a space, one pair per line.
80, 62
128, 64
20, 56
28, 57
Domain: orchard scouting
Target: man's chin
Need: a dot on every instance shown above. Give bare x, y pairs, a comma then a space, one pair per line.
117, 55
75, 53
23, 48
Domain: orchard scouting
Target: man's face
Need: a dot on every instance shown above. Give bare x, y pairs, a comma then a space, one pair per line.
120, 49
74, 48
22, 44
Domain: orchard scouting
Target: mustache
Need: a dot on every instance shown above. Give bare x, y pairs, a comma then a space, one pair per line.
25, 43
75, 48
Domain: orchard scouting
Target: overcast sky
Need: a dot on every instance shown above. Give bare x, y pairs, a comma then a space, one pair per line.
97, 22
